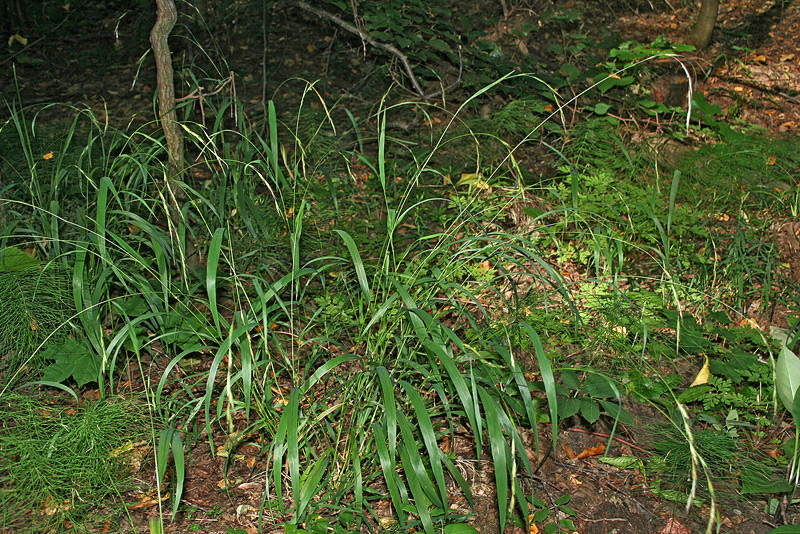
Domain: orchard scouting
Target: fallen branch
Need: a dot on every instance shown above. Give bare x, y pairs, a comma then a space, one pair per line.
368, 39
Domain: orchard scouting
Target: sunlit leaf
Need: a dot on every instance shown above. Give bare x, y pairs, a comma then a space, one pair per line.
702, 376
787, 376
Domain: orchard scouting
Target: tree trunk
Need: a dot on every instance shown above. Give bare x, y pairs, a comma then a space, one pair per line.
704, 26
167, 16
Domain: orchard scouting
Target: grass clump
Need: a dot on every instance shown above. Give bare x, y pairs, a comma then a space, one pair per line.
34, 304
57, 463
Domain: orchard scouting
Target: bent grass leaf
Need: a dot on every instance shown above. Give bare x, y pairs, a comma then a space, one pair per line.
358, 263
624, 462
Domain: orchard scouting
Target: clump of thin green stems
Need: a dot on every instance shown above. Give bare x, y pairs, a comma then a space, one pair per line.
57, 462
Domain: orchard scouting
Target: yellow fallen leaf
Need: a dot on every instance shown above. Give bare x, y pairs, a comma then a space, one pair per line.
17, 38
748, 322
473, 179
702, 376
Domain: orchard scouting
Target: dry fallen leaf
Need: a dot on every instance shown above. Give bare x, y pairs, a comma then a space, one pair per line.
675, 527
588, 452
147, 500
702, 376
19, 39
748, 322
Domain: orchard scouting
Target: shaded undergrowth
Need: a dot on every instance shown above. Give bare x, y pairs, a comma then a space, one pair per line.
353, 311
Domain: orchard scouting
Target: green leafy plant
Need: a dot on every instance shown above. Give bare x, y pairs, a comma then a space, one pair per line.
545, 516
591, 398
71, 360
787, 380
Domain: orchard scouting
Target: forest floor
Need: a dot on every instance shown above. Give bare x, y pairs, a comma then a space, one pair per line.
753, 66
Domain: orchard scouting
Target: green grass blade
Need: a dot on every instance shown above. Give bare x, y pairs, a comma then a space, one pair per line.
324, 369
382, 147
466, 489
55, 237
214, 249
222, 351
470, 405
311, 486
248, 368
296, 235
423, 420
389, 468
357, 130
499, 449
100, 217
292, 414
162, 454
673, 193
548, 379
418, 482
358, 263
381, 312
170, 439
180, 470
49, 384
358, 477
389, 410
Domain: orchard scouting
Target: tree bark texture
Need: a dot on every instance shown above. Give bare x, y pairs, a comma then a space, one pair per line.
704, 26
167, 16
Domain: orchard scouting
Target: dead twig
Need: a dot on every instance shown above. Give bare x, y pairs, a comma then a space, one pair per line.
368, 39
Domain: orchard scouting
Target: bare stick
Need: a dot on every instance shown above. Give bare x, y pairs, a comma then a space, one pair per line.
368, 39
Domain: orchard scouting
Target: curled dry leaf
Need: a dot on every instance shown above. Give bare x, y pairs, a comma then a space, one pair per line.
592, 451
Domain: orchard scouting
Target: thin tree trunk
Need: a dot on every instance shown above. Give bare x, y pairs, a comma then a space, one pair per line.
167, 16
704, 26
